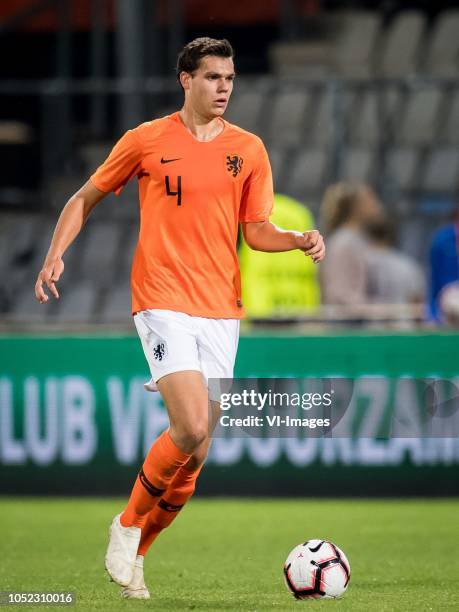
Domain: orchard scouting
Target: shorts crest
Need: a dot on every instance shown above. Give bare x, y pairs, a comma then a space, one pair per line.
159, 350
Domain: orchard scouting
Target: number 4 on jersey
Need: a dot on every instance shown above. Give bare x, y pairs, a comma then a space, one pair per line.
177, 193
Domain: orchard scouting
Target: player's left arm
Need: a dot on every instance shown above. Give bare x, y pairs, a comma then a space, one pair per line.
265, 236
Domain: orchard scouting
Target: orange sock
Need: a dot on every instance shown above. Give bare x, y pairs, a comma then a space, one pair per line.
178, 493
161, 464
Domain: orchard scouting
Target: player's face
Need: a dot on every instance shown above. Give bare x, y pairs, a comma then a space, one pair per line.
210, 86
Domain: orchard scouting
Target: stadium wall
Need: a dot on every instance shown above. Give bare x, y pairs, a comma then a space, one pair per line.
75, 419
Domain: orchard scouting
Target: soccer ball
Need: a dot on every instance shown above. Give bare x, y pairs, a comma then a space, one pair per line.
317, 569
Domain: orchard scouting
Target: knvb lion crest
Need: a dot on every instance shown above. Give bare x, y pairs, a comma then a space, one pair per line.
234, 164
159, 351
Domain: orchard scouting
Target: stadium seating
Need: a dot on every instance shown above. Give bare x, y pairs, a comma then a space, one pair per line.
442, 53
117, 305
441, 170
288, 112
307, 173
364, 123
401, 46
418, 122
320, 122
78, 303
382, 119
401, 168
358, 165
245, 111
99, 261
449, 133
25, 308
278, 158
354, 45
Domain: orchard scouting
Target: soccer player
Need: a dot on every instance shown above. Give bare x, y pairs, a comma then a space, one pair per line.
198, 177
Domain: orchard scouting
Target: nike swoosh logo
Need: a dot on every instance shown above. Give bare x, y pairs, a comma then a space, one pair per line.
167, 161
316, 548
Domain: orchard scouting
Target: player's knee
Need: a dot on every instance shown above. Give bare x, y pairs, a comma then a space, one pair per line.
197, 434
192, 435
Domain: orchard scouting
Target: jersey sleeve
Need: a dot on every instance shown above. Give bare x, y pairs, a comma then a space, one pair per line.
123, 163
257, 196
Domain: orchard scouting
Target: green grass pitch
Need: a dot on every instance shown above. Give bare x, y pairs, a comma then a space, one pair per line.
227, 554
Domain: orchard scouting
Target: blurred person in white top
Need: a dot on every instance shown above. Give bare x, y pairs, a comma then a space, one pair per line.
393, 276
346, 210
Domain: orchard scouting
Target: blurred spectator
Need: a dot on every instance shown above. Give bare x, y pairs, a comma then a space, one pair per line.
347, 208
444, 265
393, 277
280, 283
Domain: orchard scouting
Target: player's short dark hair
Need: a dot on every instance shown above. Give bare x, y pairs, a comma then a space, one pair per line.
190, 56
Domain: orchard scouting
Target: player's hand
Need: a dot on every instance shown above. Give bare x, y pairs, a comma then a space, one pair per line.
49, 275
312, 244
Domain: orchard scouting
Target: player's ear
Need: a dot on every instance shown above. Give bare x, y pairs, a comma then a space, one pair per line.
185, 78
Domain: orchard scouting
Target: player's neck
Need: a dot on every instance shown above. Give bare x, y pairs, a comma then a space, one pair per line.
201, 128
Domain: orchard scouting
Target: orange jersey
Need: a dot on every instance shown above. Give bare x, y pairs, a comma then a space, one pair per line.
192, 197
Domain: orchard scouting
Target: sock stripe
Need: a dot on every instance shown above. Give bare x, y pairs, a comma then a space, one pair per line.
150, 488
169, 507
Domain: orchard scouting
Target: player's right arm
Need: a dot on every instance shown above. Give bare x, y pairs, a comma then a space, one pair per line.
123, 163
70, 222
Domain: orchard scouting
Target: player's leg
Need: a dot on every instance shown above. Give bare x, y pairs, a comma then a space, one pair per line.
183, 484
170, 346
217, 342
178, 493
185, 396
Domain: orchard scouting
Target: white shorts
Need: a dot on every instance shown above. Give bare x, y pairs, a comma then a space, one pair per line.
174, 341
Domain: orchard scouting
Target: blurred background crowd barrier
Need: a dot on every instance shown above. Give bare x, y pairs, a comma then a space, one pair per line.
358, 105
